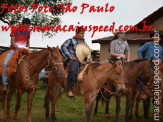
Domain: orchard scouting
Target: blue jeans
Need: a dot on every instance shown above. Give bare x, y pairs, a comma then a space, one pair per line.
4, 75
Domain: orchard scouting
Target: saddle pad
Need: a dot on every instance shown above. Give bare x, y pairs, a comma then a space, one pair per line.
11, 67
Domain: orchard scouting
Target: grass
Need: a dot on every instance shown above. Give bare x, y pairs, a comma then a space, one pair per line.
70, 110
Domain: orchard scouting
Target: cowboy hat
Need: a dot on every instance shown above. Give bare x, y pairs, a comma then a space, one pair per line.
156, 33
82, 52
117, 32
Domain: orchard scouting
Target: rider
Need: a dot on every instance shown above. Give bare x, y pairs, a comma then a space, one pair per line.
119, 47
148, 50
68, 48
19, 39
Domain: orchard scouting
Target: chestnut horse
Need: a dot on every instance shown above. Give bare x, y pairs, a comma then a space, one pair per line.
132, 71
93, 77
27, 75
154, 89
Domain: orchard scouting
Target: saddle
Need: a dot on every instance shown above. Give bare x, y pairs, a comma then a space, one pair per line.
76, 87
15, 59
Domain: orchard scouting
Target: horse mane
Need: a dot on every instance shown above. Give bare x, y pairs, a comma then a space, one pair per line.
137, 61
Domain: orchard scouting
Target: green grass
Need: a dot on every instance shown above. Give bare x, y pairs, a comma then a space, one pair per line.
71, 110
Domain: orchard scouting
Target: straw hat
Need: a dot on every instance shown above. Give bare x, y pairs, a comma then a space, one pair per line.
82, 52
117, 32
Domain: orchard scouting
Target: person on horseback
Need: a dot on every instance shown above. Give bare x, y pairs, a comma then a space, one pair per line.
68, 48
19, 39
148, 50
119, 48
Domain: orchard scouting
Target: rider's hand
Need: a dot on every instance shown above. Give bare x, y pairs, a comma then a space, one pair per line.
123, 56
20, 49
73, 58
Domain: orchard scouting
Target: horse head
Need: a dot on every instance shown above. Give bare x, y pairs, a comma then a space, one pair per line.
118, 75
55, 61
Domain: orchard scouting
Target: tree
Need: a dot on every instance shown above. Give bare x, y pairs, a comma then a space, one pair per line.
37, 18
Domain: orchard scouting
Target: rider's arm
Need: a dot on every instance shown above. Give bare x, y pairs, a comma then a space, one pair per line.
142, 49
65, 50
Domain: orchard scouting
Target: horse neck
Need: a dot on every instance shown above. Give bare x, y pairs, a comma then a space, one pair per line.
104, 75
135, 72
39, 59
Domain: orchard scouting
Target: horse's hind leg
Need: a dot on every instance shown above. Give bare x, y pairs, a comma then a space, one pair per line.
96, 106
29, 104
9, 97
17, 107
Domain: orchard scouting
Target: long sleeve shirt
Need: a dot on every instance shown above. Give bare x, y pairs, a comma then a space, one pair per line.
150, 50
68, 48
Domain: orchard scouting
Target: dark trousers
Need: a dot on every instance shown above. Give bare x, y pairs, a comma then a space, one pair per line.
73, 73
141, 82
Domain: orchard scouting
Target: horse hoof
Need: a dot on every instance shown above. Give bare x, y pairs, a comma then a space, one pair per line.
130, 118
137, 115
48, 120
107, 116
94, 115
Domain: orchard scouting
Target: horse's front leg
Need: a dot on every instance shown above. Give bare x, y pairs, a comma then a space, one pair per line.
131, 102
29, 104
96, 106
59, 91
137, 106
17, 107
9, 97
89, 99
118, 99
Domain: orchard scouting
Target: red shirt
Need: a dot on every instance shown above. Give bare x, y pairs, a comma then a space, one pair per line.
21, 38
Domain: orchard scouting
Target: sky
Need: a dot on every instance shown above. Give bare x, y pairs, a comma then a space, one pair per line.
126, 12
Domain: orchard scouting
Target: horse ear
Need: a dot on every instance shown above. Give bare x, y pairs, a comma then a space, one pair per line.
49, 48
113, 63
57, 47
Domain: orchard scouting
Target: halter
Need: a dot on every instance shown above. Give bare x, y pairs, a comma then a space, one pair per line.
53, 68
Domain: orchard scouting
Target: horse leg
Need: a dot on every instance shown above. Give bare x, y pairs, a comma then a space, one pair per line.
88, 105
146, 104
131, 107
17, 107
29, 105
57, 95
117, 108
107, 108
3, 98
9, 97
96, 106
137, 106
127, 109
46, 106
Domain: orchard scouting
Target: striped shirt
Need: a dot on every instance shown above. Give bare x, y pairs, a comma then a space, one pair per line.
120, 48
68, 48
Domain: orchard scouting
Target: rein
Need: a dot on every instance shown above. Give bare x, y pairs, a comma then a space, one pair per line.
103, 85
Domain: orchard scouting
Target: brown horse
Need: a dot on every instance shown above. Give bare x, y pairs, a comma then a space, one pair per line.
152, 87
132, 71
27, 75
93, 77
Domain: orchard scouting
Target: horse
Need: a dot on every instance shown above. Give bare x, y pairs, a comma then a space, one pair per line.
152, 87
90, 80
132, 71
26, 78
